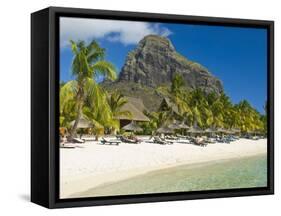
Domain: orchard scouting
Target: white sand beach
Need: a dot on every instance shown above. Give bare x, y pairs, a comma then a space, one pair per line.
90, 164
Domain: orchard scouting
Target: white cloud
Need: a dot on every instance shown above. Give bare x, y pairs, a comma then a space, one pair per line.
125, 32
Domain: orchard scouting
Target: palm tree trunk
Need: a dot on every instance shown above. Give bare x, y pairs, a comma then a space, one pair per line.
80, 103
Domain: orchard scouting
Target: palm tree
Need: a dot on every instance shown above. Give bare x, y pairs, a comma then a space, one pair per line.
116, 101
264, 118
67, 104
157, 119
207, 110
199, 108
249, 117
87, 64
176, 94
96, 107
177, 84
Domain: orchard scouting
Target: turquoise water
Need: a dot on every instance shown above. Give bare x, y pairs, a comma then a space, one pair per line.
238, 173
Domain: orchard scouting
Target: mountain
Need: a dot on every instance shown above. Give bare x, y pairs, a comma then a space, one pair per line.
153, 63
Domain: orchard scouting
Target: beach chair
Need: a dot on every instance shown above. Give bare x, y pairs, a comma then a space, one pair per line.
167, 141
88, 137
171, 137
210, 140
179, 136
67, 146
77, 140
118, 137
109, 142
127, 140
159, 141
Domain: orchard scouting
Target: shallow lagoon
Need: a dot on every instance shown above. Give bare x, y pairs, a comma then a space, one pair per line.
237, 173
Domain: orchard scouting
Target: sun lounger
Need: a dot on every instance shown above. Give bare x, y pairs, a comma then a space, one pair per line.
68, 146
210, 140
109, 142
127, 140
171, 137
77, 140
182, 136
89, 138
223, 140
167, 141
159, 141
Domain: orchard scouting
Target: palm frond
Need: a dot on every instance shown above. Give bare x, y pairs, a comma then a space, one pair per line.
95, 52
67, 93
105, 68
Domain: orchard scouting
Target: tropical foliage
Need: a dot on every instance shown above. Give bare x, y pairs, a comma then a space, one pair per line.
84, 97
208, 110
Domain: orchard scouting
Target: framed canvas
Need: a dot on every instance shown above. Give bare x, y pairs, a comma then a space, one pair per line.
138, 107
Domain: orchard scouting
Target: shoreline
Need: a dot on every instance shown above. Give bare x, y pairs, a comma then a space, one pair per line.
187, 167
75, 179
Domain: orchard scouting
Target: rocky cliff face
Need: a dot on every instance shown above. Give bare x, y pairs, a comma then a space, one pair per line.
155, 61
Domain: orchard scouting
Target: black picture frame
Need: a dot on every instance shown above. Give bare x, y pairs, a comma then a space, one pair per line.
45, 100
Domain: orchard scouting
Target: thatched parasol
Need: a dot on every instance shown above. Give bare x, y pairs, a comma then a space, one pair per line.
254, 132
222, 130
82, 123
183, 126
194, 130
225, 131
210, 130
174, 126
165, 130
235, 130
132, 127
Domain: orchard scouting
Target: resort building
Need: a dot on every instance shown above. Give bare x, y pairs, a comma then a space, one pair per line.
136, 108
167, 104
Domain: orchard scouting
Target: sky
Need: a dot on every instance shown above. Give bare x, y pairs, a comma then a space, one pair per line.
235, 55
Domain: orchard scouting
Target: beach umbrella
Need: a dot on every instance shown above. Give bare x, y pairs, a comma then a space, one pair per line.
210, 130
183, 126
174, 126
132, 127
229, 132
255, 132
164, 130
235, 130
222, 130
194, 130
83, 123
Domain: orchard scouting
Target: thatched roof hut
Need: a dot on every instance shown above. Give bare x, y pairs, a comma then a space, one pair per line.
168, 104
136, 108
